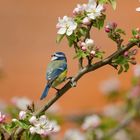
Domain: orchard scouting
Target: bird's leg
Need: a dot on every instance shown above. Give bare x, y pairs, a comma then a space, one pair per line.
68, 78
56, 89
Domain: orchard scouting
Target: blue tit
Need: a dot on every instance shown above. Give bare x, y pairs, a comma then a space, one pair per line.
56, 72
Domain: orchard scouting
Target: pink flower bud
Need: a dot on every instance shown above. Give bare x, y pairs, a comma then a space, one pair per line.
84, 48
107, 29
33, 120
114, 25
92, 53
126, 53
83, 44
86, 21
133, 58
104, 8
137, 36
134, 51
133, 62
22, 115
2, 117
76, 11
138, 29
58, 26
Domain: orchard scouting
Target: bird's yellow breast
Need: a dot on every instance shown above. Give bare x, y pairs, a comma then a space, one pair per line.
59, 79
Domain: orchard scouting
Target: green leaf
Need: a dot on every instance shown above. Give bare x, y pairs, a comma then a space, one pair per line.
134, 32
9, 127
103, 1
71, 39
120, 70
99, 23
113, 3
120, 60
83, 31
120, 31
59, 38
99, 55
133, 40
80, 54
22, 124
36, 137
126, 67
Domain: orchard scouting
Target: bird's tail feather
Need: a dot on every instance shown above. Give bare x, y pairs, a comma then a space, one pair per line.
45, 92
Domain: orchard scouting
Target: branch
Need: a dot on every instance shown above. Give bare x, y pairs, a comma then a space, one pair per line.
85, 70
75, 79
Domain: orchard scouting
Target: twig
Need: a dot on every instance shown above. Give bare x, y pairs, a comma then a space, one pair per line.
125, 122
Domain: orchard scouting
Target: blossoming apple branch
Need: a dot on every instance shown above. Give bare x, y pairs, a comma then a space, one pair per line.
77, 31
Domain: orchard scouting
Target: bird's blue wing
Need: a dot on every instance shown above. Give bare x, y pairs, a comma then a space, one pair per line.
54, 70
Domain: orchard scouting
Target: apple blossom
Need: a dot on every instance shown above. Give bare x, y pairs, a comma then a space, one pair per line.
89, 42
93, 10
92, 121
121, 135
22, 115
86, 21
66, 25
33, 120
78, 10
92, 53
109, 86
135, 92
113, 111
73, 134
2, 117
21, 102
43, 126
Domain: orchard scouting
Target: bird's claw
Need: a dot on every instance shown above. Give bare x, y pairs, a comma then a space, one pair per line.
73, 83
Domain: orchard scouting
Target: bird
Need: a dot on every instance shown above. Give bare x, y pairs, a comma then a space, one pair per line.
56, 72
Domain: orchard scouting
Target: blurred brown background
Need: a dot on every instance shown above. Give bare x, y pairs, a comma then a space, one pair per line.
27, 40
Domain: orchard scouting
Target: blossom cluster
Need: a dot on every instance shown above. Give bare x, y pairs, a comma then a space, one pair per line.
2, 117
86, 12
92, 122
43, 126
77, 28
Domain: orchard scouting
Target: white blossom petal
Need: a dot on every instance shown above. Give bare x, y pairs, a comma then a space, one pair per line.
69, 32
91, 16
62, 31
99, 8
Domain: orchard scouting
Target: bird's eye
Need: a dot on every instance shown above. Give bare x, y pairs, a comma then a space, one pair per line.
52, 55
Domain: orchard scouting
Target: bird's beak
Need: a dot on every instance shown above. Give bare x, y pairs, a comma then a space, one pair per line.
53, 58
